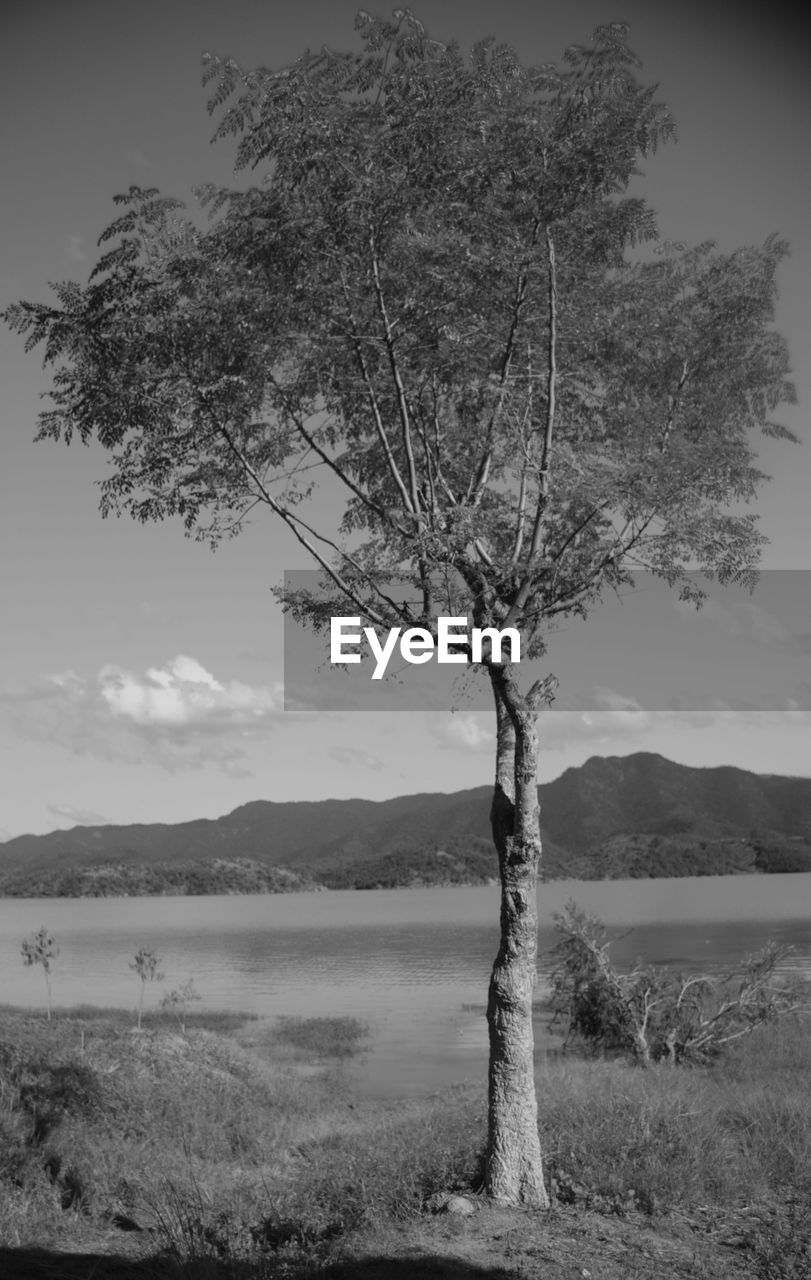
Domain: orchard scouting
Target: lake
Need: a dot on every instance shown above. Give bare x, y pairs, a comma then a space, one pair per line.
413, 963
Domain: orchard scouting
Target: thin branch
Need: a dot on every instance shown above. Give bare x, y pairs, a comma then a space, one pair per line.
558, 555
293, 522
522, 489
402, 400
521, 514
378, 421
551, 389
362, 497
674, 401
449, 494
400, 610
477, 484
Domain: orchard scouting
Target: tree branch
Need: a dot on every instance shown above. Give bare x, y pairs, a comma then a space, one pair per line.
551, 389
293, 522
477, 484
402, 400
378, 420
308, 437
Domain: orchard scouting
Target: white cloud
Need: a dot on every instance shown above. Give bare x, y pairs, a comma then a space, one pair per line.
184, 693
558, 730
352, 756
610, 716
78, 817
463, 732
178, 716
608, 700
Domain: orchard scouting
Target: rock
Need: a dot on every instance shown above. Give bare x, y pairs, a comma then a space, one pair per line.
459, 1205
444, 1202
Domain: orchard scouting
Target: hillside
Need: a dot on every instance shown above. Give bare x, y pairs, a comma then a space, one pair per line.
637, 815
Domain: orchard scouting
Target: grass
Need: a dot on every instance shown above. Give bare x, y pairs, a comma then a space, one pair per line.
322, 1037
240, 1149
222, 1021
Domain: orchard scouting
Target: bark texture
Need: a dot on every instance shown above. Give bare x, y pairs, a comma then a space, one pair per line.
514, 1164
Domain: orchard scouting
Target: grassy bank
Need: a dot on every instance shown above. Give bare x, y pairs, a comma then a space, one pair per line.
241, 1150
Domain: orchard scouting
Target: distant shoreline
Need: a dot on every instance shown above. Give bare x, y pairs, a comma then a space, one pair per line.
109, 886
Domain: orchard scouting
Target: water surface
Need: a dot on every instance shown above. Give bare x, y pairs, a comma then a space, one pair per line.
413, 963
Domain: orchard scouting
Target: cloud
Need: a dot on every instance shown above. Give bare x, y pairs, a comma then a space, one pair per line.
355, 756
609, 700
463, 732
183, 693
778, 704
560, 729
609, 716
177, 716
78, 817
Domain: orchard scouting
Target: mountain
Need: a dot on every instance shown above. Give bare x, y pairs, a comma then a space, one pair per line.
620, 815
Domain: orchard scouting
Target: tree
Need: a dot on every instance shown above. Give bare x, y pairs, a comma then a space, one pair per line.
40, 948
656, 1014
441, 294
177, 1001
145, 964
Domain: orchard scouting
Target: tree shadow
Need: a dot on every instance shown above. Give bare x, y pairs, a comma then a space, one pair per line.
426, 1267
46, 1264
51, 1264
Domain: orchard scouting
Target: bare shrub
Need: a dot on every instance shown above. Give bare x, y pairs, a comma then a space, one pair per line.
658, 1014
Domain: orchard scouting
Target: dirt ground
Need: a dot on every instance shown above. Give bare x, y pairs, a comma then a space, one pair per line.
577, 1244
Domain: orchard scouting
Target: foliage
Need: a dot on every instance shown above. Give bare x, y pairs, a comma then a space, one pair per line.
145, 964
462, 860
41, 949
150, 879
656, 1014
776, 856
326, 1037
429, 296
177, 1001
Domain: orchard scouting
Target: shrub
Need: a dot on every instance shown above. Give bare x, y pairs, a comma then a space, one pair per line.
41, 949
656, 1014
145, 964
324, 1037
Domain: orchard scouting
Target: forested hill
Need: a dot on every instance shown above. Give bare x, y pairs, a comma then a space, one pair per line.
639, 815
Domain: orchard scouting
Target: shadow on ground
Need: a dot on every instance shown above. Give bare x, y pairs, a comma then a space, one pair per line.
418, 1268
43, 1264
47, 1264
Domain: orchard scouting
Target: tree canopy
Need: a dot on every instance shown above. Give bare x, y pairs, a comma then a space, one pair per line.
429, 294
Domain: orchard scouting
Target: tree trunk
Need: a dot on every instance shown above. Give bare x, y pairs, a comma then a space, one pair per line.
514, 1166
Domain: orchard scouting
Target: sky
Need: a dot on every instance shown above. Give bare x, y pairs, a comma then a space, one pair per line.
142, 676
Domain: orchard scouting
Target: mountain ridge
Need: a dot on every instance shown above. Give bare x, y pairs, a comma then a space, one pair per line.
640, 814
